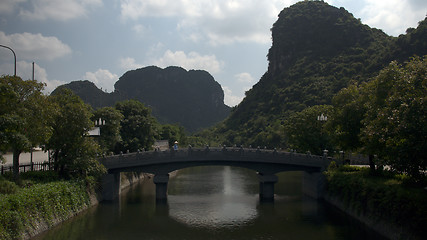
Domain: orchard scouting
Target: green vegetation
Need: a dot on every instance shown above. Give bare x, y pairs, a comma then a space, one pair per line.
60, 123
305, 133
387, 117
324, 61
110, 131
42, 200
395, 121
129, 126
372, 87
137, 127
386, 197
24, 117
73, 152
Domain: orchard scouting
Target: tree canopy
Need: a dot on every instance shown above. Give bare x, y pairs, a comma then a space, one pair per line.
138, 127
24, 116
74, 152
395, 122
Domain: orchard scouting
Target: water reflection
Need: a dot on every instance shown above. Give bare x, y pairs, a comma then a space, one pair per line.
215, 199
213, 203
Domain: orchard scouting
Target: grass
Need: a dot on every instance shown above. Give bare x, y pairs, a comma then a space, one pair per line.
40, 198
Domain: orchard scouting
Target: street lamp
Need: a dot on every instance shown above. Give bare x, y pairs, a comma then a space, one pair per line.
99, 122
96, 131
14, 55
322, 118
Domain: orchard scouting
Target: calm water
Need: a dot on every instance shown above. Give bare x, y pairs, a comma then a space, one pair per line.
213, 203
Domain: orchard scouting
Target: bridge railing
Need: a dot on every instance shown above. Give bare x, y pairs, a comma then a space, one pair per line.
225, 153
217, 149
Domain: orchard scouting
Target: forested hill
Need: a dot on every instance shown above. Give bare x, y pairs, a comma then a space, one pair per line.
192, 98
317, 50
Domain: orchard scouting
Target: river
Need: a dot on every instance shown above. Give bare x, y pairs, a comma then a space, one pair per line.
218, 202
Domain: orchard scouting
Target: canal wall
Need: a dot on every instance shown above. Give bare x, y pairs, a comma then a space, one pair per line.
385, 228
40, 226
128, 179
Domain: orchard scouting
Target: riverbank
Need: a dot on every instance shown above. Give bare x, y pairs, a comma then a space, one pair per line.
383, 203
38, 207
33, 209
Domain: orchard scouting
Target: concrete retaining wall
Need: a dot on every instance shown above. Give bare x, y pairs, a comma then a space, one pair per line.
382, 227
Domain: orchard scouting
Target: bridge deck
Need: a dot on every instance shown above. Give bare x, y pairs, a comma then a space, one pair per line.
257, 159
266, 162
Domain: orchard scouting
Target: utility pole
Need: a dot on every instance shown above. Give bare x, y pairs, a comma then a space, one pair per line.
14, 55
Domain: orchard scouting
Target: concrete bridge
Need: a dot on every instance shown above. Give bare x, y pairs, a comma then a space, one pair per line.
265, 162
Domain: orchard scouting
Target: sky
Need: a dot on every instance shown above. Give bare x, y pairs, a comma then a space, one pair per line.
100, 40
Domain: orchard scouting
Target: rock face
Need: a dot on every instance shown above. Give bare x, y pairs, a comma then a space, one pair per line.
90, 93
317, 50
192, 98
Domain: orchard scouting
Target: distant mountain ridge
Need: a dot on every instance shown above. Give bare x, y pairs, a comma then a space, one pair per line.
191, 98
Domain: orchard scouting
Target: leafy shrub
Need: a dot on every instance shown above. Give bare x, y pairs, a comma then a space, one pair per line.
349, 168
7, 187
332, 166
40, 176
40, 203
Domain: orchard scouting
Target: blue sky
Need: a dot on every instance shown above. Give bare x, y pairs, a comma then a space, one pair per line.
100, 40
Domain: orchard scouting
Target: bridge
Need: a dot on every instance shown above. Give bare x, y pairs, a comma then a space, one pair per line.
265, 162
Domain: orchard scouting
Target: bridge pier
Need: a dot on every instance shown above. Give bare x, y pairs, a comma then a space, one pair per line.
313, 184
161, 182
266, 186
111, 186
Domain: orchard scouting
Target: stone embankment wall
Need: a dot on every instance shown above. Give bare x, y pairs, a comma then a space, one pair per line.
386, 229
127, 180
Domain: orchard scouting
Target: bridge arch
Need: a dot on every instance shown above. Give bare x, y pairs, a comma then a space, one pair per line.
265, 162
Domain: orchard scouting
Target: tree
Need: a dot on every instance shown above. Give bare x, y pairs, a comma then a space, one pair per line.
305, 132
138, 127
110, 132
173, 133
24, 117
395, 124
73, 151
346, 121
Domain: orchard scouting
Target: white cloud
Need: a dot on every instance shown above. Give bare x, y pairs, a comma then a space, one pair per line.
392, 16
192, 60
230, 99
30, 46
244, 78
140, 29
102, 78
9, 6
210, 21
129, 63
58, 9
245, 81
206, 20
24, 70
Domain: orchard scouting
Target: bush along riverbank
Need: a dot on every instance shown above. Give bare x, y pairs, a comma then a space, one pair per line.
385, 202
40, 202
